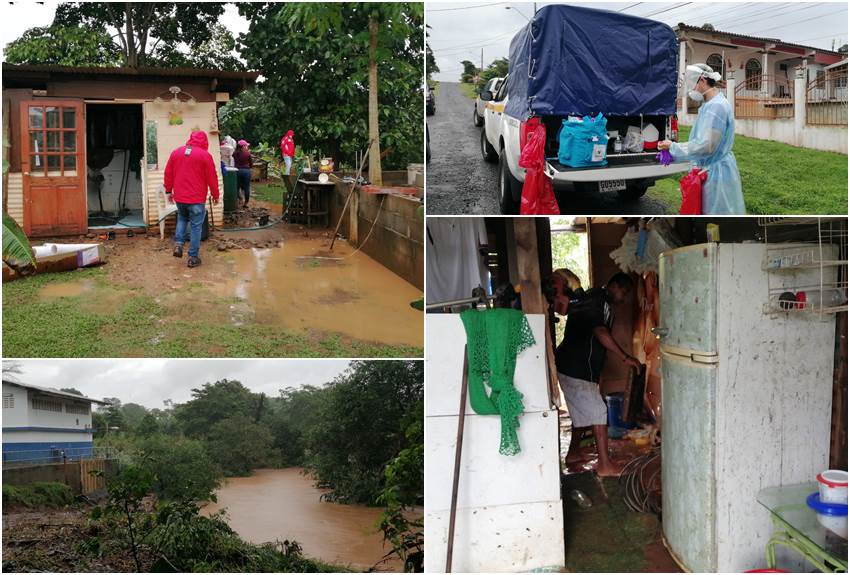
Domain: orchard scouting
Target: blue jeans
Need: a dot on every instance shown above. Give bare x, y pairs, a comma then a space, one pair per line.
193, 215
244, 179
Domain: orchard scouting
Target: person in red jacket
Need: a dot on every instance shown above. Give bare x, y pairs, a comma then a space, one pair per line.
190, 171
287, 149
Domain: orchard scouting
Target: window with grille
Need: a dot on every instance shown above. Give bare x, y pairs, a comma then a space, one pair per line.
753, 74
8, 401
42, 404
78, 408
715, 61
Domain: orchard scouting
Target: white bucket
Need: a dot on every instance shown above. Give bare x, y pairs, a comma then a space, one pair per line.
835, 523
833, 488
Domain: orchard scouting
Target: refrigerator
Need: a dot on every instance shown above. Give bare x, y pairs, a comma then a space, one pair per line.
746, 396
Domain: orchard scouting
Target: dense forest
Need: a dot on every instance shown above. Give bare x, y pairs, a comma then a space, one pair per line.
359, 436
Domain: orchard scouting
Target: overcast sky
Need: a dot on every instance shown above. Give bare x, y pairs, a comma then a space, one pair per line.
458, 31
18, 17
150, 381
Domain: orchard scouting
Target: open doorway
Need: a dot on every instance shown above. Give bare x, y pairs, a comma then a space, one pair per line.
114, 152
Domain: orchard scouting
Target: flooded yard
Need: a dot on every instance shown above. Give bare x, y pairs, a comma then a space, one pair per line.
297, 299
278, 504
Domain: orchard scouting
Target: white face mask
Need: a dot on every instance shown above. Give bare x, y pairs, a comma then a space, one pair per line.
695, 96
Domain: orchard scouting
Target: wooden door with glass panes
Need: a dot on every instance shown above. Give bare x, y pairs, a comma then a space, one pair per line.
53, 166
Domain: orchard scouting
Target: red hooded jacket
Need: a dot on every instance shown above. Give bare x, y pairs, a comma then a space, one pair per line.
191, 170
287, 144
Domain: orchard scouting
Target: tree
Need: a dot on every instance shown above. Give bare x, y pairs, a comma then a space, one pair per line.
71, 390
239, 445
431, 66
497, 69
142, 28
469, 71
707, 26
316, 58
215, 53
113, 415
360, 427
148, 426
182, 468
83, 45
212, 403
132, 414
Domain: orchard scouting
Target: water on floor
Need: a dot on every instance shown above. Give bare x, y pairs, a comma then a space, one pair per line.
304, 286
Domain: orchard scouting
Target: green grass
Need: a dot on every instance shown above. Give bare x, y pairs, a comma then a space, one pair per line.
38, 495
140, 326
777, 179
469, 90
268, 192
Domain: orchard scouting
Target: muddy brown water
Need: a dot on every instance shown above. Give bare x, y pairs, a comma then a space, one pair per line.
303, 286
279, 504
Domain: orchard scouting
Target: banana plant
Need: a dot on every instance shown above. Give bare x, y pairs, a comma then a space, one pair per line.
17, 252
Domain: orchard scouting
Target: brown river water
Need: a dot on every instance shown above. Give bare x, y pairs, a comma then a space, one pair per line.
278, 504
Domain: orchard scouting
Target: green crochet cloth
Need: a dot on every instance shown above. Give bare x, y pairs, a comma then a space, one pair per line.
494, 339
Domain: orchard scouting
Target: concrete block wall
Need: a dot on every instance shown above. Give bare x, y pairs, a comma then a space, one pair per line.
397, 240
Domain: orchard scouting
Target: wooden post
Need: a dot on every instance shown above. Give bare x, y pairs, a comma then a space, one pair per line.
528, 265
375, 173
353, 212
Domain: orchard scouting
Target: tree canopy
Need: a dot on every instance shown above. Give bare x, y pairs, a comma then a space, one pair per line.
315, 61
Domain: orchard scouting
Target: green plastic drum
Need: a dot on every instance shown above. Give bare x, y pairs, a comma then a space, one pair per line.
231, 189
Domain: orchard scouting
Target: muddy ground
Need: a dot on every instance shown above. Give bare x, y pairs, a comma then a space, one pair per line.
276, 292
459, 181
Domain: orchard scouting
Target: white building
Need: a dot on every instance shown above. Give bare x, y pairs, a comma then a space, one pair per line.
42, 424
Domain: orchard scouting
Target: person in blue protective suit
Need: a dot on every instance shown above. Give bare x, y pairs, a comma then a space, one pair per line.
710, 144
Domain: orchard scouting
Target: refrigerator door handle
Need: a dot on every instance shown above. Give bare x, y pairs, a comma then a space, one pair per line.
696, 358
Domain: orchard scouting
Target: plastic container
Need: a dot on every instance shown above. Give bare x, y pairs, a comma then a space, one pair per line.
615, 410
231, 189
833, 516
833, 486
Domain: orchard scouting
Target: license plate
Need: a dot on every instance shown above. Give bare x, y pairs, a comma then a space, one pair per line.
612, 185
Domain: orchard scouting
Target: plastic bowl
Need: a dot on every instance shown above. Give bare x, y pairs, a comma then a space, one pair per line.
833, 516
832, 484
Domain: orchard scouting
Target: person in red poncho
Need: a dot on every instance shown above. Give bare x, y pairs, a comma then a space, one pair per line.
287, 149
190, 171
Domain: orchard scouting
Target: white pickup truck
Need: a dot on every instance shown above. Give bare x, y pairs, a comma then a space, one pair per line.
629, 174
559, 68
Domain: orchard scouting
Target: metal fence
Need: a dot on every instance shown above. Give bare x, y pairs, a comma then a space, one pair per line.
764, 96
26, 458
826, 99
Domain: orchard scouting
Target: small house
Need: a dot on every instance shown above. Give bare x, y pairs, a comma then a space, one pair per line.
760, 63
45, 425
88, 145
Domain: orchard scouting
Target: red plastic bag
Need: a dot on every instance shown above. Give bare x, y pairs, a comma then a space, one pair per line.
691, 188
538, 197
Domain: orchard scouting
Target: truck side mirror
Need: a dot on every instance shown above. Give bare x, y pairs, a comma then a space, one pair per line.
485, 95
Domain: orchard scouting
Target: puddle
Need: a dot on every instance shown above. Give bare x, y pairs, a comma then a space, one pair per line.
303, 286
283, 504
65, 289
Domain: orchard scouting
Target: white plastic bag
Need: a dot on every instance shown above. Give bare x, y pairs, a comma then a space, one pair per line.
634, 140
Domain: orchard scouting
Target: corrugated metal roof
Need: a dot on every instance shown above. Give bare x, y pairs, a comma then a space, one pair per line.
127, 71
56, 392
687, 27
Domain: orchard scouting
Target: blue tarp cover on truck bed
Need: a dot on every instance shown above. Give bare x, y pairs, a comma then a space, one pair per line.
575, 60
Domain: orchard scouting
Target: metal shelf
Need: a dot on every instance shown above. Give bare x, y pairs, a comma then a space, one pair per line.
798, 246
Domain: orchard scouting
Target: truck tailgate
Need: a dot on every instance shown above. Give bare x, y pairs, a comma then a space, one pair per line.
620, 167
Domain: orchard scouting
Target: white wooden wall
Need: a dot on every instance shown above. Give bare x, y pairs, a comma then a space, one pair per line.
774, 401
510, 515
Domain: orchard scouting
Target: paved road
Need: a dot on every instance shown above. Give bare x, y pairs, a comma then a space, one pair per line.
461, 182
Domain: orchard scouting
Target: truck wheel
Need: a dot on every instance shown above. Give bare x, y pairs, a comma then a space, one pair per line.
488, 152
632, 193
510, 189
476, 119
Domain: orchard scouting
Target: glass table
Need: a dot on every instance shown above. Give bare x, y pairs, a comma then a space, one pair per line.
796, 527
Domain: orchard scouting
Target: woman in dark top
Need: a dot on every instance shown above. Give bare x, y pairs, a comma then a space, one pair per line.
242, 160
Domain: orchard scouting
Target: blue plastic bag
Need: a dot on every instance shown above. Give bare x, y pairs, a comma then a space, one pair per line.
584, 143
